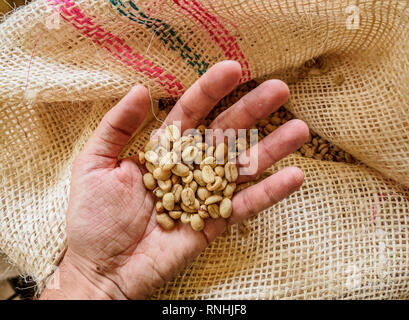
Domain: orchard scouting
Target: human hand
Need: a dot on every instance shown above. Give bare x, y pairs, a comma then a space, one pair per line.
115, 248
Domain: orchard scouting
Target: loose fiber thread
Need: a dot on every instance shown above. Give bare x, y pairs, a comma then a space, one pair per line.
32, 57
218, 33
153, 111
165, 33
116, 46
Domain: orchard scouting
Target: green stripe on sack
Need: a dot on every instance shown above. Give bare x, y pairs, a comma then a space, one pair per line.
165, 33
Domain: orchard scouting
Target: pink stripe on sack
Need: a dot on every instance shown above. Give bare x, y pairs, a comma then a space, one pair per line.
115, 46
219, 34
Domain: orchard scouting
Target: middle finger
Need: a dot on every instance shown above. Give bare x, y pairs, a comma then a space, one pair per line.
253, 107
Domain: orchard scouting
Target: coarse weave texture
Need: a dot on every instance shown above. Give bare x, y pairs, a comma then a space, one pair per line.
344, 235
6, 270
64, 63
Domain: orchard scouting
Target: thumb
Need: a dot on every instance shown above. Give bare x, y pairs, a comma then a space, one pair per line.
117, 127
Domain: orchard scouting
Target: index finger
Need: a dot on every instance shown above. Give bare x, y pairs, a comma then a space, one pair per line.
197, 102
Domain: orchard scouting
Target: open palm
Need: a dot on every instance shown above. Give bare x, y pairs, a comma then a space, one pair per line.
111, 225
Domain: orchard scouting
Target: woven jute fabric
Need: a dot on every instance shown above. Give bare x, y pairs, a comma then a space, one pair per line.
64, 63
6, 269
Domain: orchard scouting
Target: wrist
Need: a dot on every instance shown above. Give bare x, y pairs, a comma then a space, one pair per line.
78, 279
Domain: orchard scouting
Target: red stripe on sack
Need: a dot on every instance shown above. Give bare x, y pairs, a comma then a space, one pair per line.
219, 34
114, 45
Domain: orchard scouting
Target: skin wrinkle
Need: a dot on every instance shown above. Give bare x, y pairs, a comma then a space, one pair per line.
109, 145
271, 153
247, 105
269, 193
154, 270
131, 183
96, 284
188, 112
245, 109
128, 249
151, 261
264, 96
91, 280
115, 220
248, 204
125, 133
281, 140
204, 88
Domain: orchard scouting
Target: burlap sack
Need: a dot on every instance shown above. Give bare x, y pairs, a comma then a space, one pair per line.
342, 236
64, 63
6, 270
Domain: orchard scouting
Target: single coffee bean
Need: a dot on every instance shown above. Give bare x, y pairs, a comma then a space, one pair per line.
201, 129
172, 133
168, 161
221, 152
193, 185
196, 205
141, 157
199, 157
203, 193
175, 214
197, 222
151, 167
165, 221
151, 156
225, 208
161, 152
189, 154
165, 185
188, 209
230, 172
159, 207
202, 146
210, 151
222, 186
164, 142
177, 192
160, 174
213, 199
188, 179
203, 212
241, 144
219, 170
197, 175
182, 143
188, 197
198, 138
158, 192
149, 181
229, 190
215, 185
168, 201
207, 174
181, 170
213, 210
175, 179
210, 161
185, 217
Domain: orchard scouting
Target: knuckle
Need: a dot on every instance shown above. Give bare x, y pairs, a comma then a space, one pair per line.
188, 112
204, 88
269, 192
248, 204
